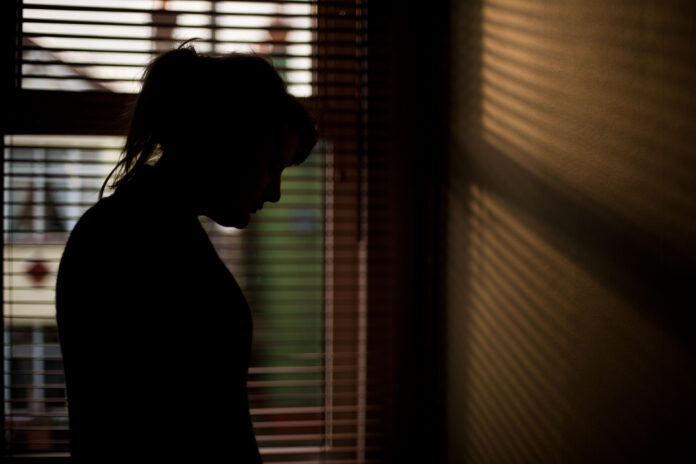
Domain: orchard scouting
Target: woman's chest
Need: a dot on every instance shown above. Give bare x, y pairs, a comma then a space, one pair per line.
197, 305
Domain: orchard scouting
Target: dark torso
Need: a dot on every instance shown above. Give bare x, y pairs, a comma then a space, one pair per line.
155, 334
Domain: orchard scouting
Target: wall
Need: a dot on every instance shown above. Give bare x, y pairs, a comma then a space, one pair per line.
571, 238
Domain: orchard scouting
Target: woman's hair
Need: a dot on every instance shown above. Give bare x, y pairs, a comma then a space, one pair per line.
191, 102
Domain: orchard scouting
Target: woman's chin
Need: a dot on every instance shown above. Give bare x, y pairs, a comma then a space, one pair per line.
238, 221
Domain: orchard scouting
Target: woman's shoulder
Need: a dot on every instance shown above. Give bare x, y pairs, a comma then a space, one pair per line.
130, 222
112, 226
132, 206
89, 235
100, 220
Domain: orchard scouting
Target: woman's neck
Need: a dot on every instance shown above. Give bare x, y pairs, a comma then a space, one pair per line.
171, 186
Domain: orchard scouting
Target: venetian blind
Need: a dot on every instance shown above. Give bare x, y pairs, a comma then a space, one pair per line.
302, 263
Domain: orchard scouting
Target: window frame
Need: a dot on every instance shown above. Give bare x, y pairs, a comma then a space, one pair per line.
103, 113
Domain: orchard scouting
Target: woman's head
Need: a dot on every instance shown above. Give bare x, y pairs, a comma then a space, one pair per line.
215, 116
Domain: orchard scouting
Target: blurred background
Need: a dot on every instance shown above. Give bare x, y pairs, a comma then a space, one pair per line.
488, 257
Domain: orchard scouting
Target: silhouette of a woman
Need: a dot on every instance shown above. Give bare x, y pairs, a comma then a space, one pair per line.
154, 330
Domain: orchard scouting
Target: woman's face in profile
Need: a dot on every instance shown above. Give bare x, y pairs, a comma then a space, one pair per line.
239, 188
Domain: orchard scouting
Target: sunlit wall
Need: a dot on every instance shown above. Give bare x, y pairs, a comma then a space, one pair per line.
571, 235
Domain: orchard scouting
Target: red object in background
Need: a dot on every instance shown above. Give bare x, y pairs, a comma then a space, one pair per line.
37, 271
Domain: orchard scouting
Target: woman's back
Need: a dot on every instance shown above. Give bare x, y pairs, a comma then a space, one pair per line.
155, 334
